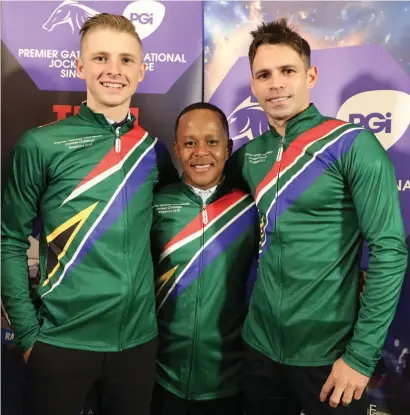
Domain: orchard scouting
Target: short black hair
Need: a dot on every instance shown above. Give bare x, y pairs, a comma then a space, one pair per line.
204, 106
279, 32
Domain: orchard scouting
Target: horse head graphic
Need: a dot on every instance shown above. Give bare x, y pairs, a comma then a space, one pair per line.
247, 121
70, 12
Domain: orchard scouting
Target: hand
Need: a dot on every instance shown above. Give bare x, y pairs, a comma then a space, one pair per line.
345, 381
26, 354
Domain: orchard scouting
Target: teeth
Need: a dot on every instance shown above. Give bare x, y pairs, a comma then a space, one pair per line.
203, 166
278, 99
110, 85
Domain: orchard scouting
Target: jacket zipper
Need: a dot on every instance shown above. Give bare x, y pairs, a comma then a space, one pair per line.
117, 146
117, 140
195, 336
279, 160
204, 214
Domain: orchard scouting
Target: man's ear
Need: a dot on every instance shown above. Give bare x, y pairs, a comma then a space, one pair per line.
252, 86
176, 149
312, 76
229, 148
80, 68
142, 70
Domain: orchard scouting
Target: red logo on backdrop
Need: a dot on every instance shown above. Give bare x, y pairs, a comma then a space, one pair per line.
64, 111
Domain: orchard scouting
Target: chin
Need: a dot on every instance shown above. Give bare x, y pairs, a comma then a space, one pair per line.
114, 101
282, 115
201, 182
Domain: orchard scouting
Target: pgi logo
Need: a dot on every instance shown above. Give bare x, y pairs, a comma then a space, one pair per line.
143, 18
385, 113
146, 16
375, 122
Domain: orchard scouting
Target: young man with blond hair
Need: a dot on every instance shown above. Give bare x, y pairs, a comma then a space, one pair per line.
321, 186
91, 179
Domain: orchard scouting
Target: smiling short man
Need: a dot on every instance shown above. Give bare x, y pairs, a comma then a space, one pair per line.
90, 178
204, 240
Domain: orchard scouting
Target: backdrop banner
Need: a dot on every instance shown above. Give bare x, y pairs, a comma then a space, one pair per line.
360, 48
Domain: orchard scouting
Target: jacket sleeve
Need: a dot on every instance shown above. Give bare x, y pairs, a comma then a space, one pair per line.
26, 181
372, 182
167, 172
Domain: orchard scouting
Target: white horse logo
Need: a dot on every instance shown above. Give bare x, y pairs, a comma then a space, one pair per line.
247, 121
71, 12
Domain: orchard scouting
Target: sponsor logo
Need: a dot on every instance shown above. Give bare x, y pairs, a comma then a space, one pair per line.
375, 122
48, 46
69, 12
246, 122
146, 16
385, 113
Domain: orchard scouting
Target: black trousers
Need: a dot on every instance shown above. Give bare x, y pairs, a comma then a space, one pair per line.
275, 389
166, 403
59, 379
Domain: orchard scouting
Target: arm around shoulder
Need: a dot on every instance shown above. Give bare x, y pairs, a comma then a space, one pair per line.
167, 172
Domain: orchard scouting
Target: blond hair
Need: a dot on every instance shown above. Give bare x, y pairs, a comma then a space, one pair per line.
109, 21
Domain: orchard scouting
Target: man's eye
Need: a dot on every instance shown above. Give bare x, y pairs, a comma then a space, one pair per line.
288, 71
212, 142
263, 76
128, 60
100, 58
189, 143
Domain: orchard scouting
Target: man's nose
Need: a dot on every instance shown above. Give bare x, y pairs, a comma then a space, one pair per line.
114, 67
276, 81
201, 148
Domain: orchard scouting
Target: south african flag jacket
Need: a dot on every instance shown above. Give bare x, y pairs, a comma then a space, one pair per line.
204, 261
92, 185
320, 190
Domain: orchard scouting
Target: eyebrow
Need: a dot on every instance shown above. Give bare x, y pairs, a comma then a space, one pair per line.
193, 137
102, 52
264, 70
288, 67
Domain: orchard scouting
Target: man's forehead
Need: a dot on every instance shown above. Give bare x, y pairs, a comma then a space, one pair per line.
104, 40
196, 126
280, 54
200, 114
201, 119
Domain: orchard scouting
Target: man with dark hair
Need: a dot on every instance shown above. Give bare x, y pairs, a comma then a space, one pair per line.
204, 244
321, 185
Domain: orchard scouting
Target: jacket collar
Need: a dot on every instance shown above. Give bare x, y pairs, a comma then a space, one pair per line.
299, 123
221, 189
89, 115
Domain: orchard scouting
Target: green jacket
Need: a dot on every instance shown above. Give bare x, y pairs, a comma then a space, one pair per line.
320, 190
204, 258
93, 187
